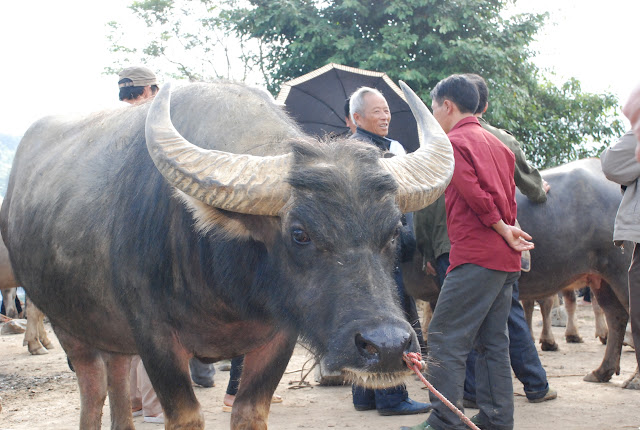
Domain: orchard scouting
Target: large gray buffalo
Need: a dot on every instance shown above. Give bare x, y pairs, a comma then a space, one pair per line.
573, 236
232, 233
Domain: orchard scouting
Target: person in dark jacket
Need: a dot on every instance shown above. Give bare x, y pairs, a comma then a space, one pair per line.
370, 113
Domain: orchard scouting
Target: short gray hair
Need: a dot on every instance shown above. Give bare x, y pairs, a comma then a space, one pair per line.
356, 100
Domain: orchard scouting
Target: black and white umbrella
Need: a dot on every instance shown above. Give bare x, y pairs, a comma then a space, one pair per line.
316, 101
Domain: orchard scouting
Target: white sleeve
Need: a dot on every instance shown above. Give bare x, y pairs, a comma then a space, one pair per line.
396, 148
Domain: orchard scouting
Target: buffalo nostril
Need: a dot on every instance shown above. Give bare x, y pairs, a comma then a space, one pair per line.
366, 348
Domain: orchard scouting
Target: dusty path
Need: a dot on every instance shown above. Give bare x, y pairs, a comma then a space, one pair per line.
40, 392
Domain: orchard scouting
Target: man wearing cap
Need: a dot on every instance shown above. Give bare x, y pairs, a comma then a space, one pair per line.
137, 84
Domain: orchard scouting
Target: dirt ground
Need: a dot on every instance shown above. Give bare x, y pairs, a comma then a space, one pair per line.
40, 392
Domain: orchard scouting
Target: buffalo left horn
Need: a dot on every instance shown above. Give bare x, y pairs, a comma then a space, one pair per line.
234, 182
423, 175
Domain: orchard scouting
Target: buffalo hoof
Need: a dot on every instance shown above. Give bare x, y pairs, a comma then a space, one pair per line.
632, 383
591, 377
48, 345
546, 346
574, 338
603, 339
37, 349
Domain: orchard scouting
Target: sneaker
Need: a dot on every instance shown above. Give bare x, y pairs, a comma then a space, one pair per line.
551, 394
159, 419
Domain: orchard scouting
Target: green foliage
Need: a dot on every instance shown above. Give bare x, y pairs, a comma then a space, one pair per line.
184, 39
563, 124
418, 41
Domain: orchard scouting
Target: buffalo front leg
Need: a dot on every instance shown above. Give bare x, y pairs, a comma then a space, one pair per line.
617, 318
9, 301
263, 368
92, 378
35, 331
547, 341
602, 330
118, 368
167, 363
633, 383
527, 305
571, 333
42, 333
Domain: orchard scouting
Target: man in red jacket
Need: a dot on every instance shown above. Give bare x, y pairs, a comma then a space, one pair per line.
485, 263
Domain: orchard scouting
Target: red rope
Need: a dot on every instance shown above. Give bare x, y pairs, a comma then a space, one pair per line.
415, 363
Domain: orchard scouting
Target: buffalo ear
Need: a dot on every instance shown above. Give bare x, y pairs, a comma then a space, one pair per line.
229, 225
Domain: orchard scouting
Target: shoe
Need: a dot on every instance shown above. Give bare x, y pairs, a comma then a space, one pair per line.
421, 426
551, 394
159, 419
406, 407
136, 413
204, 382
468, 403
476, 420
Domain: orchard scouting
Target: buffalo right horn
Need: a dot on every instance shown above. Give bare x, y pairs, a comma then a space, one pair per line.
423, 175
241, 183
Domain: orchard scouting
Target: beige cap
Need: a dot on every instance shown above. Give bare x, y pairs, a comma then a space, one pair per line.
140, 77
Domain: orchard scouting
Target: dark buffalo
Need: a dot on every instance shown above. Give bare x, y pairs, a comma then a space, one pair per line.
171, 251
573, 236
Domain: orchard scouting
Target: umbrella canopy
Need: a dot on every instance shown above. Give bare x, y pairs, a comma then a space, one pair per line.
316, 101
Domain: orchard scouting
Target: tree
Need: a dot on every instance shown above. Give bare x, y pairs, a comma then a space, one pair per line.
184, 39
420, 42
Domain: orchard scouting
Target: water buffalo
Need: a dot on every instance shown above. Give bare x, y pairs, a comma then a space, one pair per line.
232, 233
573, 233
8, 283
573, 236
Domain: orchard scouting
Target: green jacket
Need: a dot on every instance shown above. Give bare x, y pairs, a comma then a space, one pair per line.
527, 178
431, 222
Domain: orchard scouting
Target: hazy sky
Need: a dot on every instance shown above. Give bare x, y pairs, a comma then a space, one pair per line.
53, 52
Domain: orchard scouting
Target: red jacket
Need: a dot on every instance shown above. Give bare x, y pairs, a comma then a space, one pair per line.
481, 193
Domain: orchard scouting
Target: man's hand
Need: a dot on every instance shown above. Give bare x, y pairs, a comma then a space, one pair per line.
631, 110
545, 186
430, 270
515, 237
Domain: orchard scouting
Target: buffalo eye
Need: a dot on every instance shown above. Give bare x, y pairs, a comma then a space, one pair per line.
300, 236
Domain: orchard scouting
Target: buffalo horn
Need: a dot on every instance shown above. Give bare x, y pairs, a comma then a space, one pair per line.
234, 182
423, 175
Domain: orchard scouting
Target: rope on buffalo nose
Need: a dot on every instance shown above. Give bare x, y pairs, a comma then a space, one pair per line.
415, 363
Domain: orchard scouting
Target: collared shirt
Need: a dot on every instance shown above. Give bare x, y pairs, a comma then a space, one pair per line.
384, 143
481, 193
